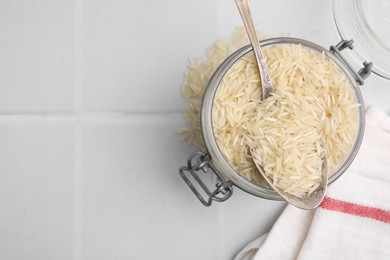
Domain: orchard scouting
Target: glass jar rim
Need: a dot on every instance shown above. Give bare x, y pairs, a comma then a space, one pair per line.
207, 127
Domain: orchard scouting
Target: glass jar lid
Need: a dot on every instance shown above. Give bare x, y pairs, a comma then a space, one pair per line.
368, 24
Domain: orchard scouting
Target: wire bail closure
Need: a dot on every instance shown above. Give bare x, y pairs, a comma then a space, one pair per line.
363, 73
199, 162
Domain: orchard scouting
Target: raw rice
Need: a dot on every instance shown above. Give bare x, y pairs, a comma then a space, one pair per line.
313, 103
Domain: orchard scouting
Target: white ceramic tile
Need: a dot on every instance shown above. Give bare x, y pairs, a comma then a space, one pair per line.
37, 57
36, 190
136, 206
135, 53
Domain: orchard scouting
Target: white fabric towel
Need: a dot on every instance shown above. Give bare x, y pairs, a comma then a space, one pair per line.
353, 221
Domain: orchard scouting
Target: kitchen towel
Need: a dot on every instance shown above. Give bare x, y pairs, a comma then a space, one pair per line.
352, 222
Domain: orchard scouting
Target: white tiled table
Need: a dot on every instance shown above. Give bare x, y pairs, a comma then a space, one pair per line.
89, 105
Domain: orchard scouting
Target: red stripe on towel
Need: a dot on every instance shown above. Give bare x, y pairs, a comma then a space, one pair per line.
356, 209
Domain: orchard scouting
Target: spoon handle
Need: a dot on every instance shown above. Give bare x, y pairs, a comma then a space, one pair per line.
266, 83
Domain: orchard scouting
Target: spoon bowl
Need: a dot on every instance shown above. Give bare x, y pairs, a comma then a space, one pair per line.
310, 201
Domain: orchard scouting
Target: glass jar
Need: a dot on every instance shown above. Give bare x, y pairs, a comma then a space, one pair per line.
352, 22
214, 161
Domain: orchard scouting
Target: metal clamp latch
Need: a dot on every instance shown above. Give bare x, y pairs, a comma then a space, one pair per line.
363, 73
200, 162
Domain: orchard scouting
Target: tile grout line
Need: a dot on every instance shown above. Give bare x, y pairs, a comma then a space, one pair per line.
77, 214
77, 199
78, 57
77, 217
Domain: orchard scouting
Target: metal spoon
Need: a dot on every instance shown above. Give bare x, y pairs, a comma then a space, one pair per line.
266, 84
312, 200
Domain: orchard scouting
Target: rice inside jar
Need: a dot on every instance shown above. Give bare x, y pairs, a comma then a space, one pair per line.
310, 88
221, 122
